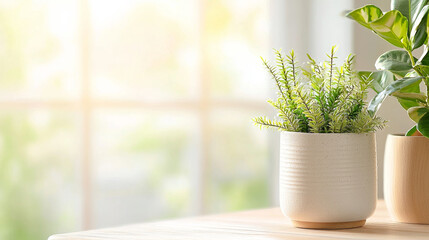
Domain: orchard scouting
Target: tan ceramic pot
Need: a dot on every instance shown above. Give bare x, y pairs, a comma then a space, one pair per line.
406, 178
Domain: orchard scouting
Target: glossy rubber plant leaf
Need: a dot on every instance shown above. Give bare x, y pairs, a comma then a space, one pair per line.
392, 27
417, 97
374, 105
365, 15
417, 7
423, 125
419, 37
418, 34
407, 104
379, 79
394, 60
427, 25
412, 131
411, 74
416, 113
412, 88
409, 8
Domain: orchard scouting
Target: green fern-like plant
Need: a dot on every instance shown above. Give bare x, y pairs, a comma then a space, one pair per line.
319, 97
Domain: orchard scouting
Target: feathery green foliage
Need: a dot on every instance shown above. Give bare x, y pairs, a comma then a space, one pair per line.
319, 98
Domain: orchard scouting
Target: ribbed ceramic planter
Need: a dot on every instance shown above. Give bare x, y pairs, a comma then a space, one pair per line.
328, 180
406, 178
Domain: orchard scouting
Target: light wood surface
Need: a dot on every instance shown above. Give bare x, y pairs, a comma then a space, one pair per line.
254, 224
406, 178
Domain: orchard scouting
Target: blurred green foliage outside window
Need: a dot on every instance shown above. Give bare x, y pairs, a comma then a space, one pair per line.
171, 88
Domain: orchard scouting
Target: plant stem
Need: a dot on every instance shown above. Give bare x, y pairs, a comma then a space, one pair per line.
425, 80
412, 58
427, 90
274, 75
331, 71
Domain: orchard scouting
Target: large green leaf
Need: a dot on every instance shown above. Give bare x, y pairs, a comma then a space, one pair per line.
423, 125
411, 131
407, 103
374, 105
427, 24
419, 37
418, 32
417, 97
402, 74
365, 15
379, 79
416, 113
395, 60
393, 27
417, 7
409, 8
411, 74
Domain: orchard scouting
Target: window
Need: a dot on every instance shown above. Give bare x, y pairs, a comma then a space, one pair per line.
115, 112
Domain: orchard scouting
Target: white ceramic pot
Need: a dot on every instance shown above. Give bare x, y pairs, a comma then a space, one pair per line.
328, 180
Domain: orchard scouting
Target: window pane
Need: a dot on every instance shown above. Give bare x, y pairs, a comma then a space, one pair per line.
238, 162
39, 194
142, 165
38, 50
144, 49
236, 33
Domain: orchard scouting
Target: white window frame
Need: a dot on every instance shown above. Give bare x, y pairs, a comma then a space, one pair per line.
202, 106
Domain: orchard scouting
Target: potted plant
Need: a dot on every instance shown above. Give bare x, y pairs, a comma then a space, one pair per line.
327, 143
400, 72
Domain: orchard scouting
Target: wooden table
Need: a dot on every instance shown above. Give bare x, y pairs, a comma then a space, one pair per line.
254, 224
